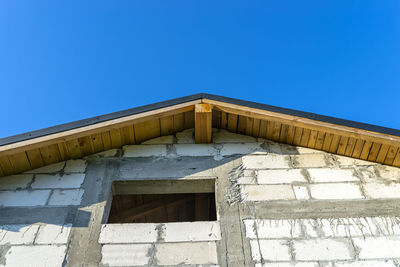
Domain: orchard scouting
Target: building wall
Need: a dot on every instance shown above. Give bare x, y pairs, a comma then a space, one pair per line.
277, 205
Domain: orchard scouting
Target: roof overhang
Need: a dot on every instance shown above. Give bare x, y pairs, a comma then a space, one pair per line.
201, 111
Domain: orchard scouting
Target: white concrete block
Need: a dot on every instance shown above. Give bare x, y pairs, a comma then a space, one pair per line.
24, 198
162, 140
360, 227
280, 176
77, 165
73, 180
343, 227
304, 150
13, 182
56, 167
246, 180
105, 154
268, 229
223, 136
266, 162
368, 174
66, 197
271, 250
335, 191
195, 150
125, 255
301, 192
34, 256
185, 137
242, 149
273, 229
186, 253
310, 160
377, 190
328, 175
367, 263
384, 247
388, 173
134, 151
17, 234
191, 231
53, 234
272, 147
347, 161
267, 192
291, 264
323, 249
128, 233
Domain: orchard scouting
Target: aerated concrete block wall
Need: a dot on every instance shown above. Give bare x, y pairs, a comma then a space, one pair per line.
28, 234
277, 205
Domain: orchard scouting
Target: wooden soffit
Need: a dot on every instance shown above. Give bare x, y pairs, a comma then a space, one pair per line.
78, 139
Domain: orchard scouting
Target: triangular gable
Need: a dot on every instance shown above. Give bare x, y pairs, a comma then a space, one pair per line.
202, 111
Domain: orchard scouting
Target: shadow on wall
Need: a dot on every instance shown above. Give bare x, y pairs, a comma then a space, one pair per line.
128, 169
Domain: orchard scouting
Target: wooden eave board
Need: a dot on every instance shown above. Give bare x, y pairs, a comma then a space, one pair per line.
250, 120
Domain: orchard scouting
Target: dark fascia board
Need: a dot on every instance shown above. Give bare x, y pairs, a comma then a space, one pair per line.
181, 100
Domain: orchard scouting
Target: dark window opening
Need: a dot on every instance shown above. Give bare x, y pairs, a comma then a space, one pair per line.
163, 201
162, 208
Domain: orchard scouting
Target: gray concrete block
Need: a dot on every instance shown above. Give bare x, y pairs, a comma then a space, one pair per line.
45, 181
66, 197
24, 198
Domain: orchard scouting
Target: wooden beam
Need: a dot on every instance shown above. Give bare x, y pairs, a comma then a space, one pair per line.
150, 187
95, 128
203, 123
305, 123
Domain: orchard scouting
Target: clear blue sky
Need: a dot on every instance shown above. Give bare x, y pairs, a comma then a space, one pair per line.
62, 61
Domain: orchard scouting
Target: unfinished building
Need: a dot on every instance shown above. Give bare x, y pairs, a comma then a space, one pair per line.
201, 181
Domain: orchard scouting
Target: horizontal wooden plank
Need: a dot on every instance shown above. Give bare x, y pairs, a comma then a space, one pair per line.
6, 166
189, 119
74, 149
320, 140
365, 151
179, 122
35, 158
382, 153
105, 136
147, 130
297, 136
167, 125
290, 135
256, 127
334, 144
358, 148
224, 120
263, 129
232, 123
19, 162
50, 154
62, 148
351, 143
373, 153
391, 155
276, 131
95, 128
241, 128
396, 161
305, 122
283, 134
216, 119
305, 137
313, 139
164, 187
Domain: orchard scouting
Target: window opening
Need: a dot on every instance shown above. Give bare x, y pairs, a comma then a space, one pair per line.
162, 201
